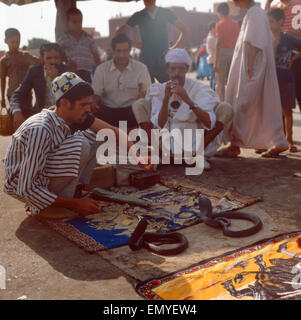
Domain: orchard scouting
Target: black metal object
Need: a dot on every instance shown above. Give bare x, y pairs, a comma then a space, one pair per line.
221, 220
152, 241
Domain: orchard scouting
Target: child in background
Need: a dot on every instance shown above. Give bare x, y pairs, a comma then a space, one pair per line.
79, 46
284, 44
14, 64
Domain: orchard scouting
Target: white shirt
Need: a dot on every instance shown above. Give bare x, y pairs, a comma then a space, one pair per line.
211, 43
120, 89
183, 117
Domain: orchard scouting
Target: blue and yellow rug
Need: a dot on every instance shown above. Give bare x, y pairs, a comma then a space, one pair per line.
174, 206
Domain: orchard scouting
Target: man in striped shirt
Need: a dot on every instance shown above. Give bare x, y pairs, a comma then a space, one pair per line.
54, 150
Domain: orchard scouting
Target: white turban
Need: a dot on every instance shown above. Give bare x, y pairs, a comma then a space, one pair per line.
177, 56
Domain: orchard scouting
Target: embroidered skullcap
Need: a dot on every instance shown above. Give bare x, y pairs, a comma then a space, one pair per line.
178, 56
63, 83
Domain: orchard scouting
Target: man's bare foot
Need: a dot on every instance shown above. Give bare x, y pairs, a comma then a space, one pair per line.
229, 152
210, 135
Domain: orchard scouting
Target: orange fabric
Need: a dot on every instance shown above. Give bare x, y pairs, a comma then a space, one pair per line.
202, 52
227, 30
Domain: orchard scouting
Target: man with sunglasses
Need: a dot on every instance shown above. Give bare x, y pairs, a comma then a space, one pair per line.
38, 79
185, 103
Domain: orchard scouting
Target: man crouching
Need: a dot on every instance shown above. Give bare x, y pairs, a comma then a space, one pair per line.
55, 150
184, 103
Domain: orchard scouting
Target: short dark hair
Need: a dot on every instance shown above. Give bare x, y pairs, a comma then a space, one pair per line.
121, 38
51, 46
276, 13
78, 92
72, 12
211, 25
223, 8
11, 32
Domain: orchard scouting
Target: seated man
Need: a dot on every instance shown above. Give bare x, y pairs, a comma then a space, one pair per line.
119, 83
39, 79
45, 161
184, 103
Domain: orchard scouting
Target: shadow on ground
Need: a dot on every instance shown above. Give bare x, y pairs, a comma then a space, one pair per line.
65, 257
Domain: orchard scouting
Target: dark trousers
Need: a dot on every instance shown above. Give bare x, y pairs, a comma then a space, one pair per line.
297, 74
114, 115
156, 68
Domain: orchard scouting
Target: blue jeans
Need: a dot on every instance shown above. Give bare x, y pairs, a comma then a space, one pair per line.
212, 76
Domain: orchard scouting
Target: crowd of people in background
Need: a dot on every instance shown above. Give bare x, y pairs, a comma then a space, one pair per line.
253, 66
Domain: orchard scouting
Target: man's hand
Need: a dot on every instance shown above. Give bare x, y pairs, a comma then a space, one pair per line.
250, 73
141, 95
148, 166
18, 119
181, 92
3, 103
215, 68
168, 87
51, 71
86, 207
268, 5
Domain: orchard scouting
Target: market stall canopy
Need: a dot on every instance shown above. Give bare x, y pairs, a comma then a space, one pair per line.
19, 2
123, 0
22, 2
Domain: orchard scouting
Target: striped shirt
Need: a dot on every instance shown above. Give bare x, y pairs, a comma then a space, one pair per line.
81, 52
42, 148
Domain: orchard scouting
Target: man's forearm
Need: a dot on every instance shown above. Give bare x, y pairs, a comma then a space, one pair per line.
293, 32
268, 5
3, 87
68, 203
179, 43
183, 36
202, 115
251, 54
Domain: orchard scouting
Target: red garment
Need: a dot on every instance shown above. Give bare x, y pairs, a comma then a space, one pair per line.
289, 15
202, 52
227, 30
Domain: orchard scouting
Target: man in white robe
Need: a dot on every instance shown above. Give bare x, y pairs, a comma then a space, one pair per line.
185, 103
253, 90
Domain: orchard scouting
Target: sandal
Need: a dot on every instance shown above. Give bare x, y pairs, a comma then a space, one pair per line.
259, 151
293, 148
224, 153
272, 154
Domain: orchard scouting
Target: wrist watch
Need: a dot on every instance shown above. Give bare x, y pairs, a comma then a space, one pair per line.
194, 106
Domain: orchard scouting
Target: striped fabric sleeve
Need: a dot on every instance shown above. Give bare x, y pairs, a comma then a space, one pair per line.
89, 134
32, 164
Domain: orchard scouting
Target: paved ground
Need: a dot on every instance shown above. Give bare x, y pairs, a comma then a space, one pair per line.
41, 264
